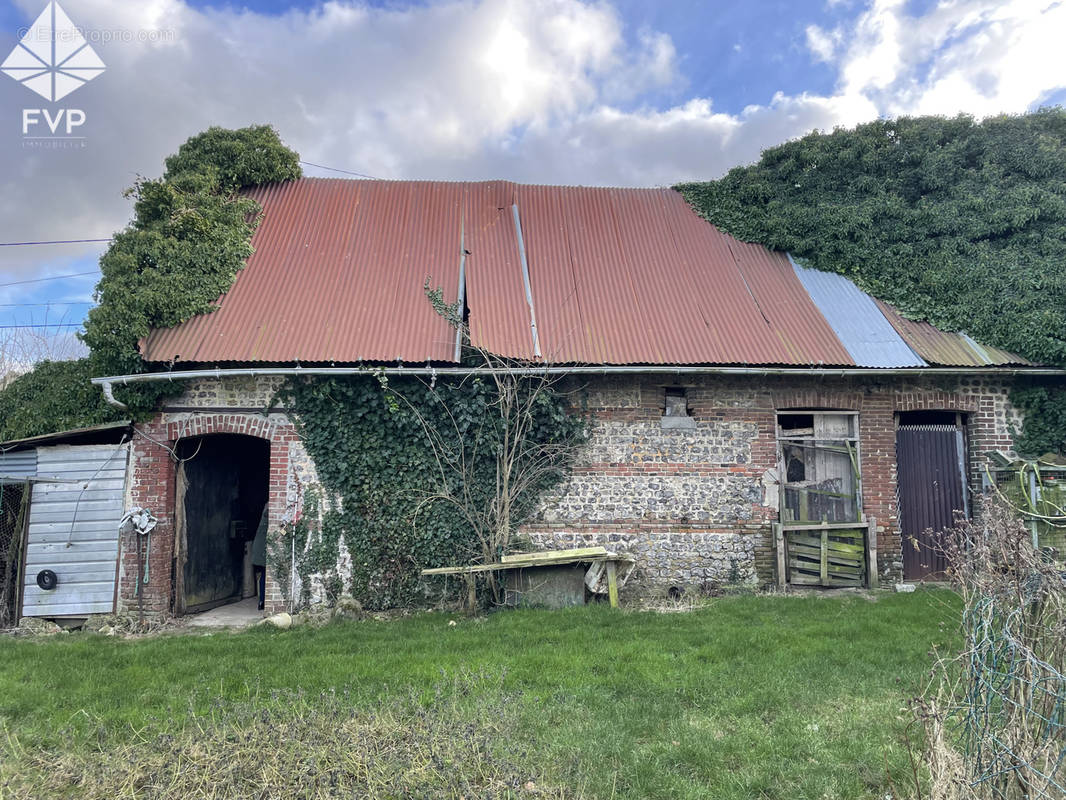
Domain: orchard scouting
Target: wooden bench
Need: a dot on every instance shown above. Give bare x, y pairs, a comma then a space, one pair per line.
545, 558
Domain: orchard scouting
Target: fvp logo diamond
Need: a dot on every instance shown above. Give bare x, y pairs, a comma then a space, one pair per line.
53, 58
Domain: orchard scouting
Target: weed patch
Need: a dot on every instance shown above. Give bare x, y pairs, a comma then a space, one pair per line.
294, 745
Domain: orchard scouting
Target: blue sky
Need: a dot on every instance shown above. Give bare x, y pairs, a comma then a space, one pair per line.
626, 92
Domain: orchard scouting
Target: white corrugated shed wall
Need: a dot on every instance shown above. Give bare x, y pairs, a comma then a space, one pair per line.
19, 464
74, 529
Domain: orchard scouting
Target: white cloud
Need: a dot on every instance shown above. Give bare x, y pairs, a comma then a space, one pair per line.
980, 56
822, 43
534, 90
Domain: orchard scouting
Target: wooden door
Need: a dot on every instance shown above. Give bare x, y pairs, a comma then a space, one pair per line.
931, 472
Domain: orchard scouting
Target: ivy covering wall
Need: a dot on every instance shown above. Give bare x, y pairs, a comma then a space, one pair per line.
374, 463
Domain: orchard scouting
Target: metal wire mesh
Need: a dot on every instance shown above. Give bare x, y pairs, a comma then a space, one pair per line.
1004, 693
1014, 715
13, 508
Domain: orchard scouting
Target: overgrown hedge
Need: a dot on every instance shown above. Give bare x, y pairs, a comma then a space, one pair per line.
958, 222
191, 234
54, 396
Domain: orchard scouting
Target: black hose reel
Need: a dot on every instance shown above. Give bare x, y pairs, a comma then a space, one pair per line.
47, 579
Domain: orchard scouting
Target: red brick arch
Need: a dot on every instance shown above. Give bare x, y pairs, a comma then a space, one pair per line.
152, 477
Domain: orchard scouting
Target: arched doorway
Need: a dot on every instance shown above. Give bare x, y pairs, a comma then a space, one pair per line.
223, 484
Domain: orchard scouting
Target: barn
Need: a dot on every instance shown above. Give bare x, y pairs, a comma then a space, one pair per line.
754, 420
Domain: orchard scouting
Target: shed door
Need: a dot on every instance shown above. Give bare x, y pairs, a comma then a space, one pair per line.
931, 490
74, 530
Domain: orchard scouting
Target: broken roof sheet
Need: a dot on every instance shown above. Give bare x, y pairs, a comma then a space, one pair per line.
615, 276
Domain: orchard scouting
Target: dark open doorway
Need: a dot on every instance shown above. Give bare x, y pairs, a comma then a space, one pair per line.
222, 490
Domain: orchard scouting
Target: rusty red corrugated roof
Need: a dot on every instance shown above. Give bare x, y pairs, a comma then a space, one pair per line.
947, 349
617, 276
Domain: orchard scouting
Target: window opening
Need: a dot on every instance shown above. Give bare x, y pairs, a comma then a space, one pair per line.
819, 461
675, 409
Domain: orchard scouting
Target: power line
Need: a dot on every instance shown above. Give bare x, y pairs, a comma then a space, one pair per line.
56, 241
49, 305
53, 325
345, 171
53, 278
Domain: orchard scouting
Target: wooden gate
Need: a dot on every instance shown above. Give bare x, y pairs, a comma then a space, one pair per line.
931, 461
827, 554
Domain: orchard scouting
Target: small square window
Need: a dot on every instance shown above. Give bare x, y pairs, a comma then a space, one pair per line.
675, 410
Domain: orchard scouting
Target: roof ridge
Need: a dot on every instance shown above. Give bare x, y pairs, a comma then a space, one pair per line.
470, 182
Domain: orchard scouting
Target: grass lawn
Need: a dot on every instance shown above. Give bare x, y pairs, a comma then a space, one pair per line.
750, 697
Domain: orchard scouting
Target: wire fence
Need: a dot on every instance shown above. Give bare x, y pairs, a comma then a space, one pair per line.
14, 504
1014, 714
995, 720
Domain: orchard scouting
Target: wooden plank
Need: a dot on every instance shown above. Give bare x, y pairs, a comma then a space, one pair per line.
814, 552
471, 592
815, 541
81, 551
612, 583
70, 609
39, 597
463, 570
72, 556
86, 573
825, 560
815, 567
816, 557
845, 580
544, 562
838, 582
817, 526
551, 562
842, 569
850, 553
549, 555
76, 536
779, 547
846, 536
873, 579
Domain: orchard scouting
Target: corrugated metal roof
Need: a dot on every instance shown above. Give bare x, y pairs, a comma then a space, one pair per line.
337, 275
618, 276
948, 349
104, 433
855, 318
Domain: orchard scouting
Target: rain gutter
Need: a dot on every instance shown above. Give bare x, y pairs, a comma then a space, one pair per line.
107, 384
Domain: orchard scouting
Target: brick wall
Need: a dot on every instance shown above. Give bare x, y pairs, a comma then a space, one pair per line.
693, 505
669, 496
